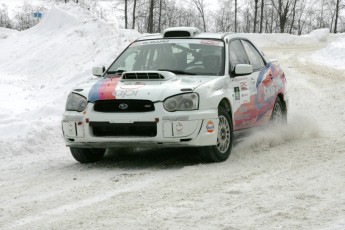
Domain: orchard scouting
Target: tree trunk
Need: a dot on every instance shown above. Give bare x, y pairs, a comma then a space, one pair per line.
235, 16
321, 16
255, 14
283, 12
272, 20
126, 19
133, 17
336, 17
150, 20
262, 14
160, 16
293, 16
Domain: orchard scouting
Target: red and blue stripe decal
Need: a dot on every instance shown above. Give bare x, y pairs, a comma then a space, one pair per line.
104, 89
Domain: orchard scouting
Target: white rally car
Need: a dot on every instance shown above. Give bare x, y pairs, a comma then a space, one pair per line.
182, 88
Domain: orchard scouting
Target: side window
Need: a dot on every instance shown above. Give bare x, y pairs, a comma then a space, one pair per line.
237, 54
254, 57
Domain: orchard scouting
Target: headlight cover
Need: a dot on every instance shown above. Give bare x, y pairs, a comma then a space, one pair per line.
76, 102
182, 102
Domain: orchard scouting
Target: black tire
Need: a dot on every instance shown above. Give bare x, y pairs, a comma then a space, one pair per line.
278, 116
87, 155
221, 151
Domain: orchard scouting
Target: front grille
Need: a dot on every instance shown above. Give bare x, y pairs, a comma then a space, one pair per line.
138, 76
123, 106
136, 129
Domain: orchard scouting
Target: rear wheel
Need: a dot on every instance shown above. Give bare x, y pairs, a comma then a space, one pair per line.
221, 151
87, 155
278, 116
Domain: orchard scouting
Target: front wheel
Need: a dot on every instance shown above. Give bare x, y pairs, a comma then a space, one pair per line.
221, 151
84, 155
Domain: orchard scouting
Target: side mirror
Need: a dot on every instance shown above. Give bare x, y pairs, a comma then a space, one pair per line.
98, 70
243, 69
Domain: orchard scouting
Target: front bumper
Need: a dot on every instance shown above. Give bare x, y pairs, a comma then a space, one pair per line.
173, 129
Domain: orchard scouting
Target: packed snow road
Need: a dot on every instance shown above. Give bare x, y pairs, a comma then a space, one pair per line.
288, 178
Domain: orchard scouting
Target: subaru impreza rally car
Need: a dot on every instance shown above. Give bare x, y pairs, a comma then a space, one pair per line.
181, 88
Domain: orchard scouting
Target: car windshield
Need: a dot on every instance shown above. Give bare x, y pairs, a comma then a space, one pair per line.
180, 56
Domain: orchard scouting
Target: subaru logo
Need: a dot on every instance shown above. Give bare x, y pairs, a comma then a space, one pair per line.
123, 106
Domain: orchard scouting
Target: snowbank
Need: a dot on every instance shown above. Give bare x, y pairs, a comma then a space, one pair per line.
39, 67
332, 46
318, 35
333, 54
5, 33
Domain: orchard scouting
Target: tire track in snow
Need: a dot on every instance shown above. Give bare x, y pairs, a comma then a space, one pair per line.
136, 185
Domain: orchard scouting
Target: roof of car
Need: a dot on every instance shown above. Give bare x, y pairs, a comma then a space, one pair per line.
188, 32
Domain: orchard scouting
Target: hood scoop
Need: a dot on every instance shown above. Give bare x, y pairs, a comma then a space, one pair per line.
148, 75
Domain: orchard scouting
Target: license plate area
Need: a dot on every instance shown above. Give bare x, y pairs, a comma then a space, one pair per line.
136, 129
73, 129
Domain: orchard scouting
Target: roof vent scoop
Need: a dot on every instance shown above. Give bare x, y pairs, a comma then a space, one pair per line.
178, 32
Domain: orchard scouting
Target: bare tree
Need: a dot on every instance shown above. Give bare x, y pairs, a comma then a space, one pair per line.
301, 17
255, 14
320, 19
223, 16
126, 10
282, 8
262, 14
4, 18
160, 15
150, 18
24, 19
235, 16
336, 16
133, 16
200, 5
293, 16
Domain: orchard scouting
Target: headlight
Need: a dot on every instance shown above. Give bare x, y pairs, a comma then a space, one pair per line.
182, 102
76, 102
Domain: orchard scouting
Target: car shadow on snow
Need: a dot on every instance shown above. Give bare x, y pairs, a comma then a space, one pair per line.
141, 158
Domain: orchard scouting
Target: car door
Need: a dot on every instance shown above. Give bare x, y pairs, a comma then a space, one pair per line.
261, 85
244, 87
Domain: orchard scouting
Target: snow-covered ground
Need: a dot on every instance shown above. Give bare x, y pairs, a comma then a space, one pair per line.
288, 178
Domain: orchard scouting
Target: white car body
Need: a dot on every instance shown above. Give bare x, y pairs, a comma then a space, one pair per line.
248, 97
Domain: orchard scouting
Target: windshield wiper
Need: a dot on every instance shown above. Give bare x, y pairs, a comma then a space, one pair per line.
177, 71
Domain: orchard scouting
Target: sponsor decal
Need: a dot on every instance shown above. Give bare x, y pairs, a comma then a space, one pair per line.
244, 85
237, 93
179, 127
124, 93
210, 127
127, 90
149, 42
179, 41
211, 43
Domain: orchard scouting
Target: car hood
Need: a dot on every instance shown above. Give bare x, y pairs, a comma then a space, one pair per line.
112, 88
